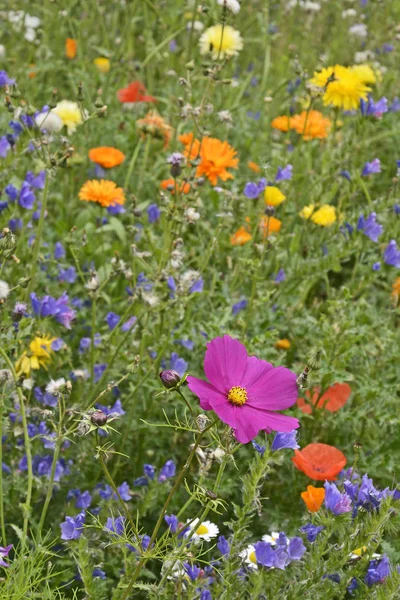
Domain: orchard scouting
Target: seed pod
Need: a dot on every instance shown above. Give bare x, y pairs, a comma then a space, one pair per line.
98, 418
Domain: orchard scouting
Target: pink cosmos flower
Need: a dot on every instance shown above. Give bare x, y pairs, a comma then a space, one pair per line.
244, 390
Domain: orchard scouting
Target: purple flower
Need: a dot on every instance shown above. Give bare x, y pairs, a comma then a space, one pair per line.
372, 167
336, 502
296, 548
15, 224
253, 190
124, 492
50, 307
258, 448
280, 276
285, 440
395, 106
26, 197
59, 251
345, 174
205, 594
5, 146
265, 554
72, 527
37, 181
391, 255
153, 213
375, 109
167, 471
377, 571
112, 320
172, 522
192, 571
84, 500
241, 305
311, 531
67, 275
223, 546
105, 491
178, 364
188, 344
5, 79
115, 209
149, 471
115, 525
99, 369
127, 326
4, 552
197, 286
175, 158
376, 266
98, 573
284, 173
370, 227
11, 192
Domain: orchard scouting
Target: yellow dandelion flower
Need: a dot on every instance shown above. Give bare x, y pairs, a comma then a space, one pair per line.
307, 211
39, 355
220, 42
273, 196
365, 73
102, 64
324, 216
342, 87
70, 114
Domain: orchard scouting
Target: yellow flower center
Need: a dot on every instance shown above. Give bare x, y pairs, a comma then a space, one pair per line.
252, 557
202, 530
237, 395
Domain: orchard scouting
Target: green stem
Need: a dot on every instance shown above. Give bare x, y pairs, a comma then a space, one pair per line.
92, 340
132, 163
185, 401
176, 485
27, 506
53, 467
3, 528
36, 247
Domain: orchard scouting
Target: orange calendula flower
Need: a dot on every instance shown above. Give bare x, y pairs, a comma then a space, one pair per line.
216, 157
270, 225
283, 344
320, 461
332, 400
311, 125
282, 123
155, 126
104, 192
71, 48
192, 145
313, 498
106, 156
396, 290
169, 185
240, 237
253, 166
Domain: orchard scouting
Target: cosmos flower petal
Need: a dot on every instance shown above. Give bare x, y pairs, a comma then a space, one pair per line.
275, 389
205, 392
224, 362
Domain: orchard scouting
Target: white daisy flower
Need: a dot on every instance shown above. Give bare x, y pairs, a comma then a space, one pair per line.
249, 557
232, 5
4, 289
271, 539
203, 531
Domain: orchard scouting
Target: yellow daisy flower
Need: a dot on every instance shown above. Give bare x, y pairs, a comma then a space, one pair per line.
220, 42
36, 357
342, 87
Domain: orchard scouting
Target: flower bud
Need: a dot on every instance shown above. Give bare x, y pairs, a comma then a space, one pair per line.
315, 361
175, 170
270, 211
98, 418
169, 378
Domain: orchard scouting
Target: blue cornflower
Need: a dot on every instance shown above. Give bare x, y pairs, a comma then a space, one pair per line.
370, 226
112, 410
84, 500
112, 320
284, 173
72, 527
285, 440
372, 167
391, 255
377, 571
167, 471
172, 522
223, 545
241, 305
375, 109
338, 503
153, 213
311, 531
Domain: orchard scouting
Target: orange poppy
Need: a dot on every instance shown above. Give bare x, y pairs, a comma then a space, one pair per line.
240, 237
134, 92
313, 498
216, 157
332, 400
169, 185
269, 225
106, 156
71, 48
282, 123
253, 166
311, 125
319, 461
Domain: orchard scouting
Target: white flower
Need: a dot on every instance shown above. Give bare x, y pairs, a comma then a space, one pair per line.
350, 12
359, 30
232, 5
271, 539
225, 116
4, 289
27, 384
363, 57
175, 568
49, 121
80, 374
31, 22
203, 531
192, 215
30, 34
93, 283
15, 16
197, 26
150, 298
54, 386
249, 557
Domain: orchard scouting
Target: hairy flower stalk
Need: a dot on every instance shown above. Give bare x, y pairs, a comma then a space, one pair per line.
38, 238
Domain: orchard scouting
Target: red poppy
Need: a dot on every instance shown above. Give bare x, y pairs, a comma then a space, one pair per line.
319, 461
135, 92
333, 399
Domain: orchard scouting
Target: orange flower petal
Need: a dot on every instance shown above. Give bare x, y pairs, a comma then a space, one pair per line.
320, 461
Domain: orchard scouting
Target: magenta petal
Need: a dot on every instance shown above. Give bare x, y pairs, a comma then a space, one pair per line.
275, 389
206, 393
255, 369
224, 362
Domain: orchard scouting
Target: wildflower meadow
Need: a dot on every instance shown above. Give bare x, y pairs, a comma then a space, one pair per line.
200, 300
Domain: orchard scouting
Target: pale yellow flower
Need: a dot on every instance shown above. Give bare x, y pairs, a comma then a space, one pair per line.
221, 42
70, 114
102, 64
